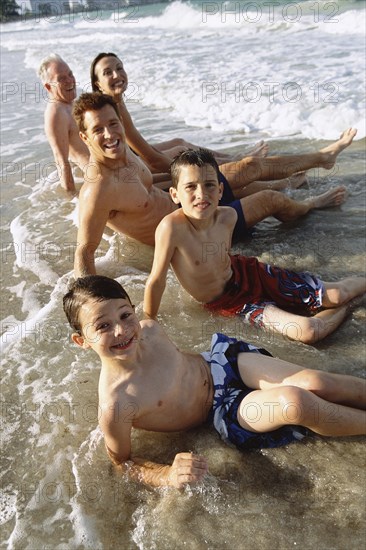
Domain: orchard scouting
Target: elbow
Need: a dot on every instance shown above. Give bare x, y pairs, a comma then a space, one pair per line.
122, 462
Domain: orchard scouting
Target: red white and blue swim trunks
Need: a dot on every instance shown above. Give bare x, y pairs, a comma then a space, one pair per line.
254, 284
230, 390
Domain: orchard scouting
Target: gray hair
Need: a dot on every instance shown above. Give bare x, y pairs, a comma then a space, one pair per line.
45, 63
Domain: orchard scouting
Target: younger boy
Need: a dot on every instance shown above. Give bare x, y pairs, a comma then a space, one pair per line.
196, 239
146, 382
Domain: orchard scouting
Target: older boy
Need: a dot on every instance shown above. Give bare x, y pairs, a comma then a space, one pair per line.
195, 240
118, 188
146, 382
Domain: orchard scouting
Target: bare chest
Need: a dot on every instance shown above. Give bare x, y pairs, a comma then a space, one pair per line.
132, 190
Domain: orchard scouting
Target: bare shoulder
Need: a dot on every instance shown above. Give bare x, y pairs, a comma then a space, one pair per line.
98, 185
155, 338
226, 215
173, 223
56, 111
152, 329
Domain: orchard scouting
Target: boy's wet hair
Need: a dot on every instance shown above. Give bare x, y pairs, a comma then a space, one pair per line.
192, 157
92, 287
93, 76
91, 102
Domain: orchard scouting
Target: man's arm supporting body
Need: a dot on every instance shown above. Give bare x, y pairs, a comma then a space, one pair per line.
94, 211
57, 130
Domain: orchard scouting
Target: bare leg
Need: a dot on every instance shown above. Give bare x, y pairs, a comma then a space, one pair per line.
260, 149
342, 292
312, 329
175, 146
262, 372
267, 203
165, 146
308, 330
263, 411
250, 169
161, 180
293, 182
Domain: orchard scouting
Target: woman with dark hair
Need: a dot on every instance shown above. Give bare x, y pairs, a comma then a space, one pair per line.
108, 76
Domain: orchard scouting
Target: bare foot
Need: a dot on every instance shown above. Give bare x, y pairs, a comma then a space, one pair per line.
332, 151
334, 197
260, 149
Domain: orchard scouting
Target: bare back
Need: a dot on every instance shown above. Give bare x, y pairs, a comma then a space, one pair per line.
63, 134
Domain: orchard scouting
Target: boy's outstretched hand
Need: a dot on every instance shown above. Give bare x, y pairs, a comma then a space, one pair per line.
187, 468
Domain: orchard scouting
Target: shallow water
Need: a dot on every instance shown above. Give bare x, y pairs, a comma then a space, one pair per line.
59, 490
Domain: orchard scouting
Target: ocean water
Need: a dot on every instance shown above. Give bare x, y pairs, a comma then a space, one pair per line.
224, 75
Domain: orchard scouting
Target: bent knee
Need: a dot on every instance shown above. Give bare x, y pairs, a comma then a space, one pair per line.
338, 296
265, 203
295, 403
316, 381
310, 330
307, 330
277, 203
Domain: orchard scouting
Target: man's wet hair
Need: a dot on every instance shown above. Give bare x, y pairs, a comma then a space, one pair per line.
91, 102
192, 157
93, 76
92, 287
45, 63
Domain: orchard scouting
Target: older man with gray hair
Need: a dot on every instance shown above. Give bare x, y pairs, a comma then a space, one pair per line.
60, 127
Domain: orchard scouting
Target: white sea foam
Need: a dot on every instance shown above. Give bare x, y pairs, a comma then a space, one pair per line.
245, 92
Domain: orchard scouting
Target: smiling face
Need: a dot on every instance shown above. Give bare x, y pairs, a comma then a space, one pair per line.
111, 76
104, 134
61, 83
198, 191
110, 328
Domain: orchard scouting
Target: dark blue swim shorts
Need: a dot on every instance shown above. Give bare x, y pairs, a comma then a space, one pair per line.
230, 390
241, 231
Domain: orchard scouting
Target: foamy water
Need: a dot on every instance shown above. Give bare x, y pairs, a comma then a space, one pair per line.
293, 76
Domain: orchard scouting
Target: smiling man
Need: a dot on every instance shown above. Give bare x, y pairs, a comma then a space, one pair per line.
118, 188
60, 127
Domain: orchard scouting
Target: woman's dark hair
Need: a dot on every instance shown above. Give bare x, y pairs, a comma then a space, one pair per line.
93, 76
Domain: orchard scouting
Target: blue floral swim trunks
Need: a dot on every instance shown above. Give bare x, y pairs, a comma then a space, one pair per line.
230, 390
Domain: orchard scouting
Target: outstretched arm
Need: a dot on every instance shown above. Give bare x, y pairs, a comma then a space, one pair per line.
93, 216
155, 285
